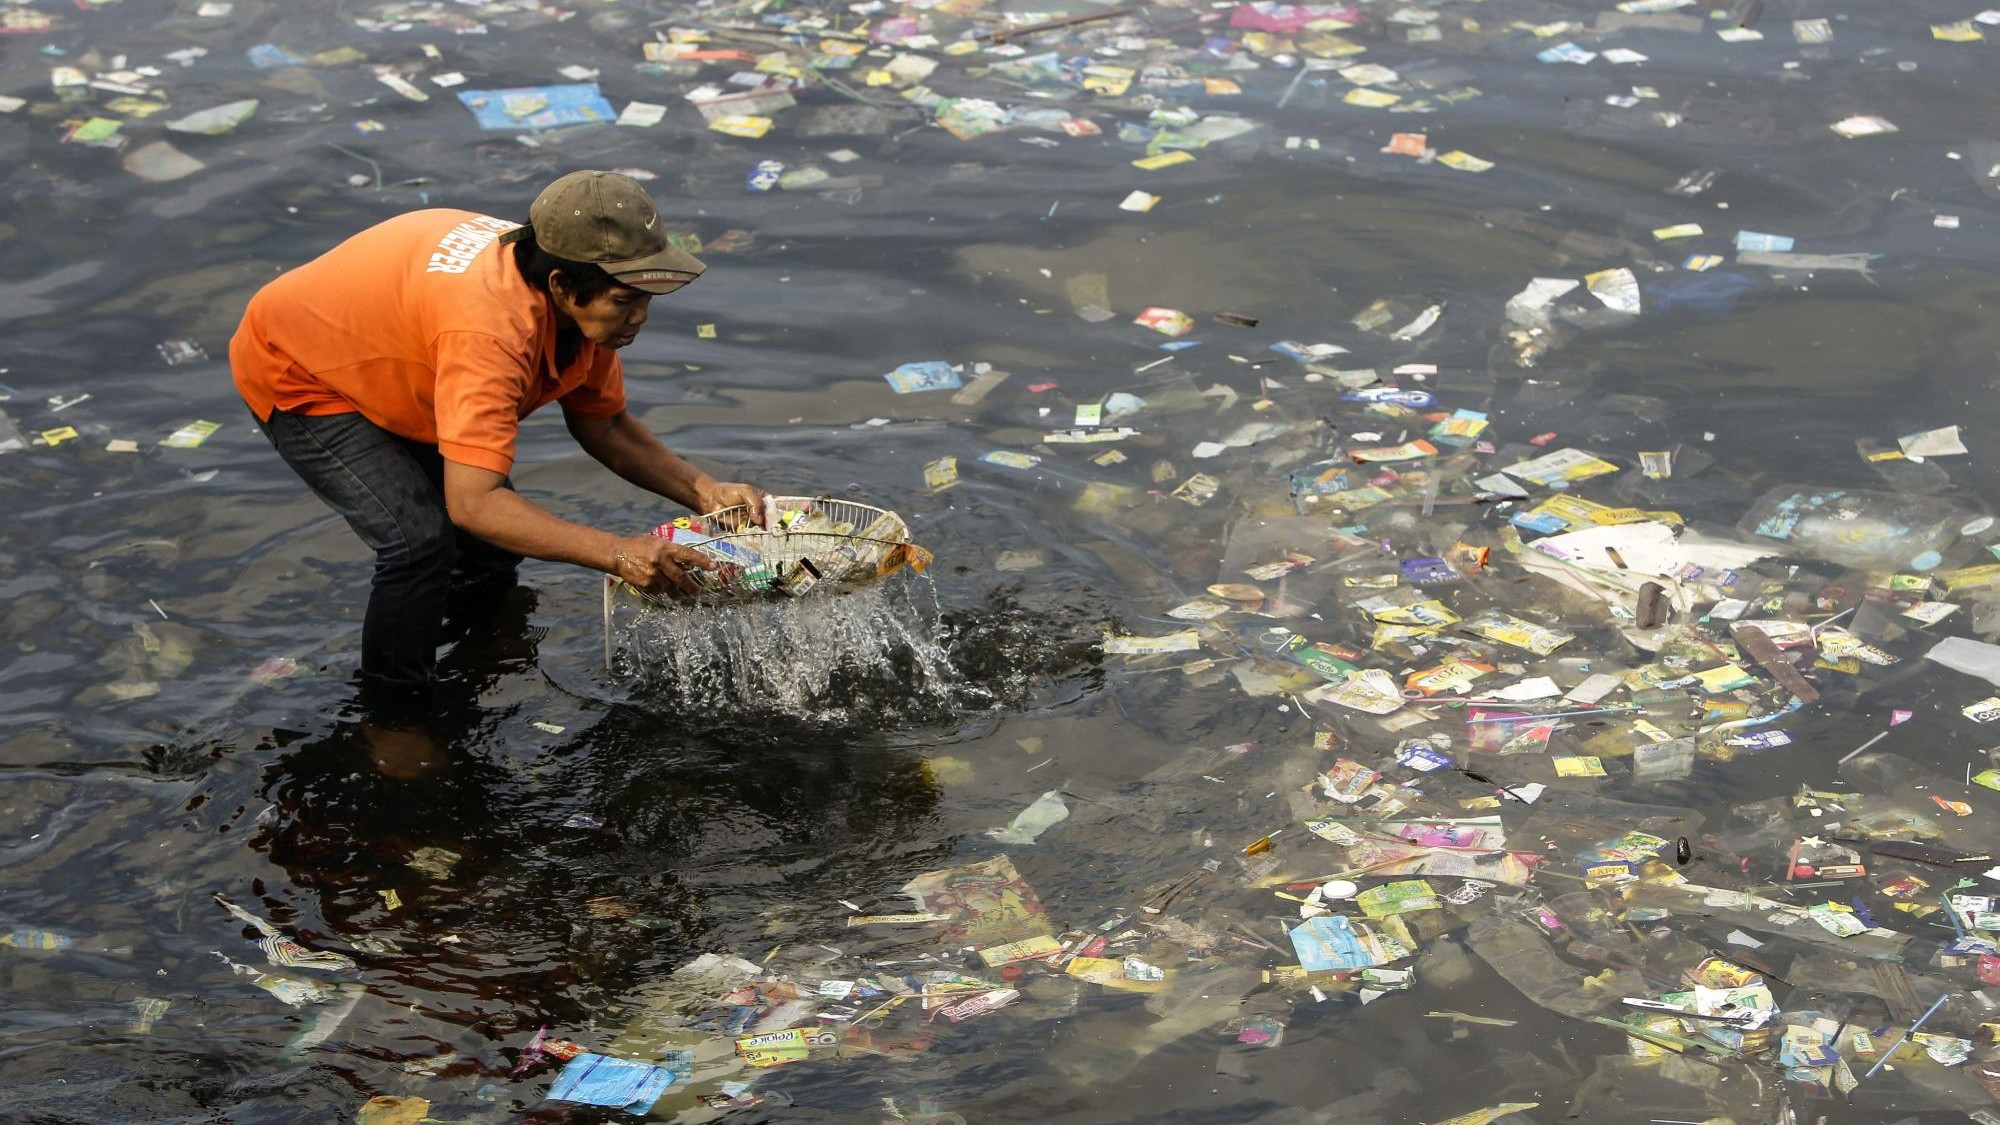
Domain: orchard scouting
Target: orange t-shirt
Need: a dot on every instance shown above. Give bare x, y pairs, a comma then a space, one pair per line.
424, 326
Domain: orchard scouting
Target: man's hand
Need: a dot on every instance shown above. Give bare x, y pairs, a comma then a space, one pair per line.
657, 566
713, 496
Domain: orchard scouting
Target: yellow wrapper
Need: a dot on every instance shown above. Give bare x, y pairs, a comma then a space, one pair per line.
941, 474
741, 125
1371, 99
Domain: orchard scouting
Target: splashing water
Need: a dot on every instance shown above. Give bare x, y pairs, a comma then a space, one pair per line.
880, 646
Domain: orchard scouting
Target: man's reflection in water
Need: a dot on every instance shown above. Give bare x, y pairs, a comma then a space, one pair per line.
538, 890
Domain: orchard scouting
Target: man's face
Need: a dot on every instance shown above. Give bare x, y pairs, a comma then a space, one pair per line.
612, 320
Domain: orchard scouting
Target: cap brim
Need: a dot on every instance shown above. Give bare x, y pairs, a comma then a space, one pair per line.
663, 272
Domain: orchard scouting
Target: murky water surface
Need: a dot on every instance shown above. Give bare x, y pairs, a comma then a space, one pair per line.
181, 623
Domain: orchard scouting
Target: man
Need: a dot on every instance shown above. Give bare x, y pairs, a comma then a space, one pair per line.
392, 372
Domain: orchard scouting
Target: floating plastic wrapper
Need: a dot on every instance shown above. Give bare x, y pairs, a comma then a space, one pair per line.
538, 107
1852, 527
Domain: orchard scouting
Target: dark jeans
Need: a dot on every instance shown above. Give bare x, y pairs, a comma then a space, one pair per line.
390, 490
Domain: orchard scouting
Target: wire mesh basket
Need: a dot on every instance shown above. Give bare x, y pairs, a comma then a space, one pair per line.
809, 544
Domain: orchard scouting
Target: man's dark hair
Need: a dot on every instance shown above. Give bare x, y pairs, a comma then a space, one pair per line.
586, 281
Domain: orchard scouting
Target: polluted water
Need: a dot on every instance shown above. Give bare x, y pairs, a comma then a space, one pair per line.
1463, 534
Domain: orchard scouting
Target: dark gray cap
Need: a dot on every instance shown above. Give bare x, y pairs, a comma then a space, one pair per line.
608, 219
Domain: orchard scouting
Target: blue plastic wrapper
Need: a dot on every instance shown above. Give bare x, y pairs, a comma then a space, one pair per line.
1292, 349
926, 375
1545, 522
1761, 740
1329, 942
1427, 571
269, 56
1757, 240
765, 175
1423, 759
680, 1064
538, 107
1566, 53
1415, 400
620, 1083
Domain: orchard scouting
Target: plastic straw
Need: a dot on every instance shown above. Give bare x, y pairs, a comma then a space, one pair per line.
1894, 1047
1951, 912
1531, 716
1863, 746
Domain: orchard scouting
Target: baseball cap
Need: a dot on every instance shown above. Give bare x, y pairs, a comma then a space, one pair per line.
608, 219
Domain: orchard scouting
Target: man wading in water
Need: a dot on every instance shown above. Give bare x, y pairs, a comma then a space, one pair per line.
392, 372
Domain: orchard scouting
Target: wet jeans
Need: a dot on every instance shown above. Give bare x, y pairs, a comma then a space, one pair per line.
390, 490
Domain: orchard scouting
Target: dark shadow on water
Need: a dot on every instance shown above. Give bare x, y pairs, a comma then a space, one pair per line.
626, 845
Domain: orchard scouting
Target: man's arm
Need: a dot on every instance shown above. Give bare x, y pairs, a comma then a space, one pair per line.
479, 502
626, 447
629, 449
